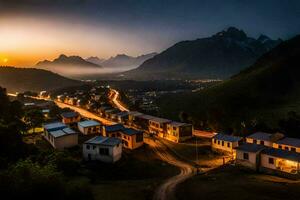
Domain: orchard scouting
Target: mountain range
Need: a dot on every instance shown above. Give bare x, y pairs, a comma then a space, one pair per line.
121, 60
30, 79
219, 56
263, 94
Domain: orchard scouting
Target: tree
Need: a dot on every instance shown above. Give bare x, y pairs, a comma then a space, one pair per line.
34, 118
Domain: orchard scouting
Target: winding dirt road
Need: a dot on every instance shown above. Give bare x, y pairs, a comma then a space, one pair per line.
166, 191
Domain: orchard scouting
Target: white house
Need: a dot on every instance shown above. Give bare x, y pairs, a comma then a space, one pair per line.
225, 143
289, 144
280, 161
248, 155
89, 127
105, 149
266, 139
60, 136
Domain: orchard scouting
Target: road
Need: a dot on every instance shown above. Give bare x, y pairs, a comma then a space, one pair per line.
85, 113
166, 191
115, 100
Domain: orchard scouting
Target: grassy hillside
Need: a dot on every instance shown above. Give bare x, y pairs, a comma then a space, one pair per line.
261, 95
24, 79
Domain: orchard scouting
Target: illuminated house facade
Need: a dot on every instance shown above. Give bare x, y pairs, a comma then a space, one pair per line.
158, 126
247, 155
89, 127
70, 117
289, 144
132, 139
225, 143
266, 139
178, 132
103, 149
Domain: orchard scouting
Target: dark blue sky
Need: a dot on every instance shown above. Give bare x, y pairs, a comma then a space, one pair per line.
160, 23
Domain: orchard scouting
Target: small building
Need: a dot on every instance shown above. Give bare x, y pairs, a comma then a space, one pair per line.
280, 162
132, 115
179, 132
60, 136
143, 121
122, 117
113, 130
70, 117
132, 138
248, 155
289, 144
158, 126
225, 143
89, 127
46, 112
108, 113
104, 149
262, 138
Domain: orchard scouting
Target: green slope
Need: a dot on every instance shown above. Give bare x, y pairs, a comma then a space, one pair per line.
264, 93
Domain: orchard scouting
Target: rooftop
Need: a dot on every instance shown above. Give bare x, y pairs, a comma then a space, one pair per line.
122, 114
69, 114
135, 113
289, 141
228, 138
107, 141
130, 131
54, 126
279, 153
251, 147
62, 132
260, 136
147, 117
115, 127
88, 123
176, 124
160, 120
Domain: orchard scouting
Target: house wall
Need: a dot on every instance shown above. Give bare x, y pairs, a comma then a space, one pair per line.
266, 143
71, 120
251, 163
89, 130
285, 147
129, 141
218, 146
265, 161
178, 134
66, 141
115, 153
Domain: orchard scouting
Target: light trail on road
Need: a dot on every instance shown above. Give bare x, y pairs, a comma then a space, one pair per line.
115, 99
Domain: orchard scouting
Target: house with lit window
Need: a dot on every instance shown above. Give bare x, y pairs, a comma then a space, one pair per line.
266, 139
89, 127
131, 117
60, 136
132, 138
248, 155
143, 121
158, 126
114, 130
178, 132
103, 149
122, 117
225, 143
281, 162
289, 144
70, 117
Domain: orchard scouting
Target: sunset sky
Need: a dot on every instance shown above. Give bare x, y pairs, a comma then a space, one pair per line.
43, 29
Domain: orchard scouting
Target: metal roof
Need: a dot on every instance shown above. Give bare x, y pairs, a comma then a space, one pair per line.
107, 141
160, 120
69, 114
147, 117
289, 141
251, 147
135, 113
54, 126
62, 132
114, 128
228, 138
279, 153
176, 124
260, 136
122, 114
130, 131
88, 123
